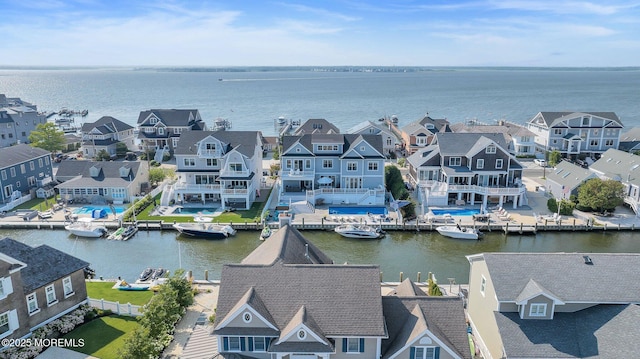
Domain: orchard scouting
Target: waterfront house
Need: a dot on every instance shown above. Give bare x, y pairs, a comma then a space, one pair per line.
22, 169
217, 168
334, 168
72, 142
37, 286
623, 167
564, 180
288, 300
467, 168
389, 140
105, 134
315, 126
576, 134
554, 305
17, 119
521, 141
101, 182
420, 133
630, 140
160, 129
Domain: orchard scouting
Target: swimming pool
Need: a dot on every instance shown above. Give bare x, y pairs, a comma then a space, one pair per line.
203, 211
90, 209
358, 210
455, 211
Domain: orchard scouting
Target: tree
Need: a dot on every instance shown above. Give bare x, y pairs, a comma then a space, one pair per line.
276, 152
121, 149
182, 287
274, 169
156, 175
47, 137
394, 183
601, 195
103, 155
554, 158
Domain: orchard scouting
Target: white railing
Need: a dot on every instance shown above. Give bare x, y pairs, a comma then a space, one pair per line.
633, 203
242, 191
209, 153
15, 203
488, 190
231, 173
196, 187
297, 173
116, 307
426, 183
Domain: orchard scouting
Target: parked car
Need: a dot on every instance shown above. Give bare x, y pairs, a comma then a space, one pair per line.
540, 162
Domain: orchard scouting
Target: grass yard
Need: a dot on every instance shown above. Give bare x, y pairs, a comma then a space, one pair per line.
103, 337
103, 290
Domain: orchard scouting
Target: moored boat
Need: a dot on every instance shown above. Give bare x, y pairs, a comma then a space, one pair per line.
458, 232
85, 227
266, 233
204, 230
358, 231
146, 274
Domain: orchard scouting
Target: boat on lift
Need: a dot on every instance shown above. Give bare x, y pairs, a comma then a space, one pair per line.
359, 231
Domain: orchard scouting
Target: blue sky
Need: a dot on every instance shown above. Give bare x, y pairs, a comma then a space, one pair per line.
320, 33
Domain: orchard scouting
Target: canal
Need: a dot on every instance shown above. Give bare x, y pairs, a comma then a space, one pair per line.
407, 252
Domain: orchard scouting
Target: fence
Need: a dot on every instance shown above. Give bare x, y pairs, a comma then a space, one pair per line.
116, 307
15, 203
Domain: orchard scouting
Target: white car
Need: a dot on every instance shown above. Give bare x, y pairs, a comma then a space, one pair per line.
540, 162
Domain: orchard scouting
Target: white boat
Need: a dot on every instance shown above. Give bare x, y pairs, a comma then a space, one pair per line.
204, 230
458, 232
358, 231
85, 227
266, 233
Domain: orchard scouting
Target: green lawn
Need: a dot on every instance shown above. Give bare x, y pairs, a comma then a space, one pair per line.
103, 337
103, 290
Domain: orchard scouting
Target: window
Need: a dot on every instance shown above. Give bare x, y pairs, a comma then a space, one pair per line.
425, 352
259, 344
247, 317
40, 163
585, 121
353, 345
13, 171
327, 164
557, 131
212, 162
32, 166
236, 167
4, 175
373, 166
23, 169
51, 295
491, 149
302, 334
189, 162
389, 141
594, 143
210, 146
455, 161
499, 163
68, 287
483, 285
538, 310
4, 322
234, 343
32, 303
608, 142
421, 141
307, 164
352, 166
480, 163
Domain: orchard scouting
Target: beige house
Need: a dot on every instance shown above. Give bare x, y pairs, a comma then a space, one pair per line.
555, 305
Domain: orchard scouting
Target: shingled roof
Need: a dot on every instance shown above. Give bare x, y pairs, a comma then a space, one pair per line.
106, 124
347, 140
21, 153
44, 264
244, 142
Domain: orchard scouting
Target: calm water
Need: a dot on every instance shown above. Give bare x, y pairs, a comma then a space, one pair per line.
398, 252
252, 100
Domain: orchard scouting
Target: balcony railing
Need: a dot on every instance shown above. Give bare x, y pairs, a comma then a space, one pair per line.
190, 187
231, 173
487, 190
235, 191
209, 153
297, 174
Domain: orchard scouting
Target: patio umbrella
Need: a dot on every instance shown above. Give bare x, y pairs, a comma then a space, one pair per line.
325, 180
399, 204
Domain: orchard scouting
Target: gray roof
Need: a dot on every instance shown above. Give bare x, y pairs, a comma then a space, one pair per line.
408, 317
440, 125
106, 124
244, 142
44, 264
567, 174
566, 276
602, 331
630, 140
507, 128
347, 139
619, 165
287, 245
552, 118
170, 117
284, 288
407, 289
109, 173
13, 155
459, 144
316, 125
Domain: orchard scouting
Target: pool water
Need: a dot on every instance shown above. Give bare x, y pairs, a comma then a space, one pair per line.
90, 209
203, 211
455, 211
360, 210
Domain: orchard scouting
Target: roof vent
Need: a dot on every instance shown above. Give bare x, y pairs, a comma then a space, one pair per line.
587, 260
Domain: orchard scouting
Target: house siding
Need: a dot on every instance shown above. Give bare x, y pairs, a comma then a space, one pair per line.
19, 182
541, 299
370, 350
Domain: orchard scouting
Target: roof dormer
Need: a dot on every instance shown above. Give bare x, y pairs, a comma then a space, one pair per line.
94, 171
125, 171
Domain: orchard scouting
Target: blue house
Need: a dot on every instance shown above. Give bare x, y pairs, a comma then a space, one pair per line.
23, 168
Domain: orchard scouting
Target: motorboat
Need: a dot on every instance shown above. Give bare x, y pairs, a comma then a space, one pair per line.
205, 230
127, 233
459, 232
158, 273
85, 227
266, 233
358, 231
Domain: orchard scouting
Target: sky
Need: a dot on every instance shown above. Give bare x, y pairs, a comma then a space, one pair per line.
320, 33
